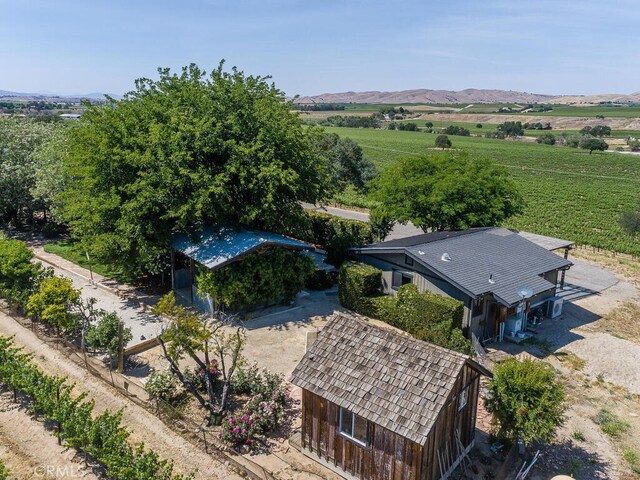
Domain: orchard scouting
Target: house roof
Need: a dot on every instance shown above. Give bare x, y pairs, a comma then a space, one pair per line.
387, 377
549, 243
481, 261
215, 249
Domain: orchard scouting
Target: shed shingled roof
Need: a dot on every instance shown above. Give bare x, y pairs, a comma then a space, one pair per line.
387, 377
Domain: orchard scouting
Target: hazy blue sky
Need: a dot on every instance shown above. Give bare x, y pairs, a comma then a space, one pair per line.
312, 47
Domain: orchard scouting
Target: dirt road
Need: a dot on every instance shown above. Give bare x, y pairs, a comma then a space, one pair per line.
144, 426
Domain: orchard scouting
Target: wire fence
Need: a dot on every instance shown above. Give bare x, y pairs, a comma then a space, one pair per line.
200, 434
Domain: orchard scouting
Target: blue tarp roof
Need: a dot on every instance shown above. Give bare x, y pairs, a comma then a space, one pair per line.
218, 248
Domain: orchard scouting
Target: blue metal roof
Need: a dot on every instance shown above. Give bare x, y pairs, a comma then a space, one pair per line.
218, 248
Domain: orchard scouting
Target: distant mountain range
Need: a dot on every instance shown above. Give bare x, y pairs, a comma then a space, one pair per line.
8, 95
470, 95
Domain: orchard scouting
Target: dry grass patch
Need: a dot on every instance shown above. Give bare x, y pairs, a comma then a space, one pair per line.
623, 322
570, 360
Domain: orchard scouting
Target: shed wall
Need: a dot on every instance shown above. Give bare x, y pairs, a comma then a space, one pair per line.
387, 456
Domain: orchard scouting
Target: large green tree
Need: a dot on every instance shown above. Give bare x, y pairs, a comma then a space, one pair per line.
441, 191
19, 140
185, 150
348, 165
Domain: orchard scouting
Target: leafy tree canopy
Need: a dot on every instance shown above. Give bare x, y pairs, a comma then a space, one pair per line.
630, 220
442, 141
104, 334
53, 303
349, 166
527, 399
510, 129
441, 191
185, 150
19, 140
592, 143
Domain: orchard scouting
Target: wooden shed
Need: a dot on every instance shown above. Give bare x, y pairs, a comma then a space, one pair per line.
378, 404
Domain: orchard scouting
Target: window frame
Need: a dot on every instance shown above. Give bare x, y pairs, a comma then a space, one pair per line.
464, 394
400, 275
351, 437
408, 260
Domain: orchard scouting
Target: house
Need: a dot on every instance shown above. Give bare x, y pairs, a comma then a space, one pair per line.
379, 404
506, 279
213, 250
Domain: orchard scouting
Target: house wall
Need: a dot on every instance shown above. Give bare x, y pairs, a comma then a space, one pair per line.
424, 279
387, 457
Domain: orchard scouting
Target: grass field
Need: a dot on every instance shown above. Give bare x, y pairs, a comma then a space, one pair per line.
71, 251
569, 193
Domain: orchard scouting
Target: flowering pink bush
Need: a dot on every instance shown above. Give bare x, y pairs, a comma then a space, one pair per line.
259, 416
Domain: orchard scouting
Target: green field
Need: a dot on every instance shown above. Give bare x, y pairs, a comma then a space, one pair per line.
569, 193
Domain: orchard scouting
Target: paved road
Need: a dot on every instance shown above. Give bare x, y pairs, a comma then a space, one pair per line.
399, 231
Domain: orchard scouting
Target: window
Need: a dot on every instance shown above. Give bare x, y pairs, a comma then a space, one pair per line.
463, 398
400, 278
408, 260
353, 427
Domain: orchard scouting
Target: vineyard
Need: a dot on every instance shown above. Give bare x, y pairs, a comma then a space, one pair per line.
569, 193
102, 439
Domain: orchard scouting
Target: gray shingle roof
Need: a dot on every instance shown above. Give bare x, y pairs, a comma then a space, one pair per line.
387, 377
495, 260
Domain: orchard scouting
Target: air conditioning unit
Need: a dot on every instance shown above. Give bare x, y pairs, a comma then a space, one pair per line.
554, 307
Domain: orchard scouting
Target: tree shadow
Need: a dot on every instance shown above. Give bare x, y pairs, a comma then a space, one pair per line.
568, 458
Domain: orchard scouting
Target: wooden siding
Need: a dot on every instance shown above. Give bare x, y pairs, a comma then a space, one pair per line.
443, 435
389, 456
386, 457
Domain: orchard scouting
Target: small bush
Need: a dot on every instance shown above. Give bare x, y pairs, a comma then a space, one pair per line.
320, 280
546, 139
611, 424
634, 145
164, 386
578, 436
632, 457
4, 473
251, 380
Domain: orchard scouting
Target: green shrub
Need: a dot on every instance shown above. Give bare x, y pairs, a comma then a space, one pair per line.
357, 281
261, 278
335, 235
320, 280
527, 400
4, 473
19, 276
53, 304
164, 386
632, 457
251, 380
610, 423
427, 316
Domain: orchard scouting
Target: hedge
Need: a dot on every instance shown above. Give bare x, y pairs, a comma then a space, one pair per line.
335, 234
427, 316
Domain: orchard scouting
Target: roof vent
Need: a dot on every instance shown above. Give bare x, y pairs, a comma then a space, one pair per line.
445, 257
420, 252
491, 280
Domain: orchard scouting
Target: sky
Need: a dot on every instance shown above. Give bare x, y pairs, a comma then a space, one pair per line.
311, 47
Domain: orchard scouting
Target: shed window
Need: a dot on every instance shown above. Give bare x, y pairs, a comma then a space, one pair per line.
400, 278
408, 260
463, 398
353, 426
